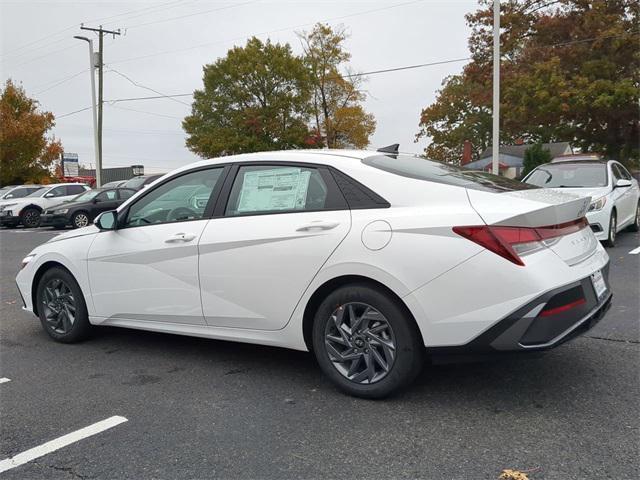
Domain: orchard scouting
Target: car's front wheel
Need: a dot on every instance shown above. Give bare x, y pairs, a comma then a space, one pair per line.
30, 218
366, 342
61, 306
613, 230
80, 219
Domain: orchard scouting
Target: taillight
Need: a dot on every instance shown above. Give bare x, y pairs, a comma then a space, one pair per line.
511, 242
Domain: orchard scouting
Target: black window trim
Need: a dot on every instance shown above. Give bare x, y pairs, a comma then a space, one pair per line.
213, 198
333, 191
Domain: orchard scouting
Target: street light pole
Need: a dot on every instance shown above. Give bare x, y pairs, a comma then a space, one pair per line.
94, 114
495, 147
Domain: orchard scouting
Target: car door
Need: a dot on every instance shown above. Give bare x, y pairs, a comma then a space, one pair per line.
261, 250
54, 196
625, 200
147, 269
104, 201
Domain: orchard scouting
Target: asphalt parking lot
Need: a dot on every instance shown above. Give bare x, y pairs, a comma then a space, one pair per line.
207, 409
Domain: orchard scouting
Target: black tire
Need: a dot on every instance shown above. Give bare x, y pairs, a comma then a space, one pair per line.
635, 226
409, 348
78, 328
30, 218
80, 219
612, 234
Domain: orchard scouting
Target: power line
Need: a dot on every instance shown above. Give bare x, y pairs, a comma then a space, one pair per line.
201, 12
157, 8
73, 113
154, 97
291, 27
60, 82
147, 113
145, 87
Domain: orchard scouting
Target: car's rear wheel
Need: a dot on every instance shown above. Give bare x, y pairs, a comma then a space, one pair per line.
61, 306
613, 230
366, 342
635, 226
80, 219
30, 218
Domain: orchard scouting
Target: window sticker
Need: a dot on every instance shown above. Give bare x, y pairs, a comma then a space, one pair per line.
276, 189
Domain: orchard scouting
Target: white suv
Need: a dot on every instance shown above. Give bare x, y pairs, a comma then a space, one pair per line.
615, 196
27, 210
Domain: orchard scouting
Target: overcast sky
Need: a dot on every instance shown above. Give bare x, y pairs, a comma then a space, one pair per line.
165, 53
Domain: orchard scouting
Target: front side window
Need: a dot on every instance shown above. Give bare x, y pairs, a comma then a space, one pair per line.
106, 196
274, 189
58, 192
569, 175
39, 192
183, 198
20, 192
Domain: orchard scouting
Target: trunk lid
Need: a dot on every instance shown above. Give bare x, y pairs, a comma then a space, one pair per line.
539, 208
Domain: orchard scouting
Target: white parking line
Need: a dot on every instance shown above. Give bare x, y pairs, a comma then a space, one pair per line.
4, 380
60, 442
635, 251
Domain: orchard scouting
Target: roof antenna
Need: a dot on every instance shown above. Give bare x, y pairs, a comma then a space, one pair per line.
393, 148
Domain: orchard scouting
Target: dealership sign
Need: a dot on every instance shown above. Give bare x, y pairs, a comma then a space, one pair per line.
70, 164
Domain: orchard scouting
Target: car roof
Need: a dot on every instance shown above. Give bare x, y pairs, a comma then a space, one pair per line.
576, 162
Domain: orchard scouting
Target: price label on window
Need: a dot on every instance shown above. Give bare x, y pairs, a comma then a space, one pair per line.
274, 189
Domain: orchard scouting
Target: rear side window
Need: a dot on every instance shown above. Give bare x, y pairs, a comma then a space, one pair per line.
125, 193
279, 188
75, 189
432, 171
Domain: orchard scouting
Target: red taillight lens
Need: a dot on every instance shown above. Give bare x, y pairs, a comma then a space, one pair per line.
563, 308
507, 241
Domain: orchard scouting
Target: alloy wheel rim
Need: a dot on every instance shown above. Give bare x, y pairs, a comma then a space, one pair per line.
360, 343
31, 218
81, 220
59, 306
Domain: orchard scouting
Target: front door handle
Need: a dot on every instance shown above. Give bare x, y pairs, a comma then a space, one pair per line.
317, 225
180, 237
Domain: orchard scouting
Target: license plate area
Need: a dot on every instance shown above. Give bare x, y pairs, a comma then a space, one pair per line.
599, 285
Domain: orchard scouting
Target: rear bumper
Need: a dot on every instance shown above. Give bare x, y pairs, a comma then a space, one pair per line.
529, 329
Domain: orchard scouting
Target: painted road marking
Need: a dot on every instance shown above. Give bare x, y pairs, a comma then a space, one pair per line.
60, 442
635, 251
4, 380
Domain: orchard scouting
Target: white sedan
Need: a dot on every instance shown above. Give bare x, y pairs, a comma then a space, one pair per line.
615, 196
370, 260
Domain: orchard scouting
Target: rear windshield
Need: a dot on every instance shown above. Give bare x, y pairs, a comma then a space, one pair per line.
432, 171
568, 175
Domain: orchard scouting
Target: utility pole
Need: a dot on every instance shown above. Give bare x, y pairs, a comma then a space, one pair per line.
495, 147
100, 63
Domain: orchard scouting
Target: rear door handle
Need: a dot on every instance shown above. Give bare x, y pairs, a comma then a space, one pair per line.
317, 225
180, 237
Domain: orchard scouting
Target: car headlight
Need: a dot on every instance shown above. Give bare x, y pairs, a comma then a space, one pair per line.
26, 260
597, 204
62, 210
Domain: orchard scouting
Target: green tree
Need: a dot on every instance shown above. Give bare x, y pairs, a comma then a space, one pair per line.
570, 71
340, 118
255, 98
26, 150
533, 156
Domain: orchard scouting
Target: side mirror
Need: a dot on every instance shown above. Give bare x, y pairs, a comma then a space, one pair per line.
622, 183
49, 195
107, 220
95, 200
9, 195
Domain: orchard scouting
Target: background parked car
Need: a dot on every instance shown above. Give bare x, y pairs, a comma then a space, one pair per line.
138, 183
17, 191
27, 210
615, 196
114, 184
81, 210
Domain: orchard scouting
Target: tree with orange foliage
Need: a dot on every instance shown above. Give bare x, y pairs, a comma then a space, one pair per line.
26, 151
